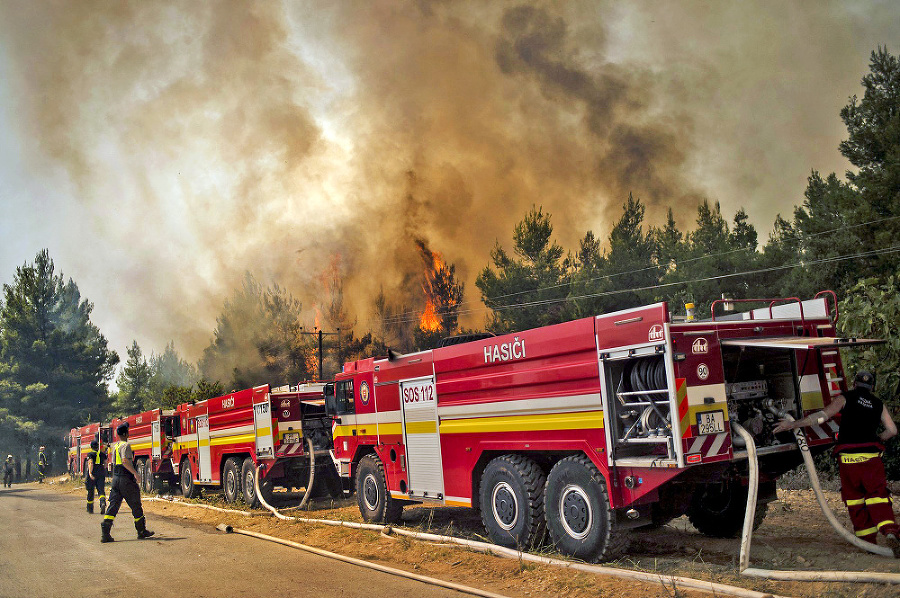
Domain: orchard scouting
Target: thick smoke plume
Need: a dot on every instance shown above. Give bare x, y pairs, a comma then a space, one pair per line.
203, 140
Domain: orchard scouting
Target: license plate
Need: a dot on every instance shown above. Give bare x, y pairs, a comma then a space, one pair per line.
710, 422
291, 438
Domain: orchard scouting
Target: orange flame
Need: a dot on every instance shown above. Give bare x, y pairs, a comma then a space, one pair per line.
429, 320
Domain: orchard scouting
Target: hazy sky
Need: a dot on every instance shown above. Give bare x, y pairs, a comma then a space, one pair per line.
160, 150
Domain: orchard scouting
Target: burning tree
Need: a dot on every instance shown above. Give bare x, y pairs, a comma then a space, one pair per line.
443, 296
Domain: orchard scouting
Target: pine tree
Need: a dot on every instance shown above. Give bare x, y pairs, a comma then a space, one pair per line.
528, 289
134, 383
54, 362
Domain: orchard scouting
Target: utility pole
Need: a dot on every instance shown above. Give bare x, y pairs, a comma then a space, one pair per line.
319, 333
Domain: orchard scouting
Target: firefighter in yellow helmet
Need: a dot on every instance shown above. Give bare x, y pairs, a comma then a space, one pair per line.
124, 486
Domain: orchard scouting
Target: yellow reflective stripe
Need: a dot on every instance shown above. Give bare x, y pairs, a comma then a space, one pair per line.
264, 432
524, 423
877, 501
204, 442
855, 502
421, 427
109, 516
138, 518
858, 457
867, 531
234, 439
885, 522
140, 446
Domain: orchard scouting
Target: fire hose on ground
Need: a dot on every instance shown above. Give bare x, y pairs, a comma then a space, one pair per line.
842, 576
670, 582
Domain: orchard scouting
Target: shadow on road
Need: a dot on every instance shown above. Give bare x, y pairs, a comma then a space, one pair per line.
148, 540
40, 496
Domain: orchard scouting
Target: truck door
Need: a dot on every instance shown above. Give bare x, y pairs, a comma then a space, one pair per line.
155, 440
421, 437
262, 425
203, 448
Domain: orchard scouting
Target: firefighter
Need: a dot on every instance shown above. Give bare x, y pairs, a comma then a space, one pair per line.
859, 449
124, 486
8, 469
42, 465
95, 477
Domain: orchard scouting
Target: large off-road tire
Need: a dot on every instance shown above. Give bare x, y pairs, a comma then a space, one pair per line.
511, 499
372, 496
141, 473
248, 472
147, 484
717, 510
231, 481
188, 488
580, 519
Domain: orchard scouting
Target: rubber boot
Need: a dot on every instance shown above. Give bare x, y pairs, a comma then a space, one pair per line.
90, 507
103, 505
142, 531
105, 527
893, 542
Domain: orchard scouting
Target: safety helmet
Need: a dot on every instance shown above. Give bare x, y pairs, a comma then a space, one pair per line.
9, 457
94, 445
865, 379
122, 428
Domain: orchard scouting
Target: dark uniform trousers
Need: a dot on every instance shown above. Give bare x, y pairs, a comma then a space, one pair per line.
98, 483
124, 487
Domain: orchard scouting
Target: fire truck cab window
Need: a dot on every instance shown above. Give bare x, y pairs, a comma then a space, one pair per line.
343, 391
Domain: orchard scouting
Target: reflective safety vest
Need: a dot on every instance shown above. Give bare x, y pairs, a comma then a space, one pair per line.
119, 469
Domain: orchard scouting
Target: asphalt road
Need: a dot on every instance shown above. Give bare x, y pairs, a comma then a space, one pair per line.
50, 548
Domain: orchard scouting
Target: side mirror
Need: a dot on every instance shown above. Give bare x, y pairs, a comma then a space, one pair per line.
330, 405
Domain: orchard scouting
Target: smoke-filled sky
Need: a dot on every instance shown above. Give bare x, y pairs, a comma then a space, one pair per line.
160, 150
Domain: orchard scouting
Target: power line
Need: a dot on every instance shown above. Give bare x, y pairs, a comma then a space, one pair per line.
411, 316
544, 302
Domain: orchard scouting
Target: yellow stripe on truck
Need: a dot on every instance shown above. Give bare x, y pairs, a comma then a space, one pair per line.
524, 423
237, 438
421, 427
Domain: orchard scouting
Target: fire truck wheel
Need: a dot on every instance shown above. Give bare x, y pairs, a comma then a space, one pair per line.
375, 502
232, 481
147, 478
579, 516
512, 501
717, 510
248, 471
141, 473
188, 488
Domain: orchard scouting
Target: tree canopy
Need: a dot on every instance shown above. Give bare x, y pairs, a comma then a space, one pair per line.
54, 362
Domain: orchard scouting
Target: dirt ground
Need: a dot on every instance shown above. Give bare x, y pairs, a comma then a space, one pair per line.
794, 536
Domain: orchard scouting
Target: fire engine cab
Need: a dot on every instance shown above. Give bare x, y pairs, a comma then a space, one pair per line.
590, 428
223, 441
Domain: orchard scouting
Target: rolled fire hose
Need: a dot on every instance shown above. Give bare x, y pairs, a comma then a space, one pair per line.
666, 581
750, 514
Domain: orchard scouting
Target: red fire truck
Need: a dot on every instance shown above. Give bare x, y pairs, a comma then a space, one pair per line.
221, 441
151, 435
592, 427
79, 443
